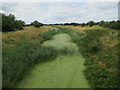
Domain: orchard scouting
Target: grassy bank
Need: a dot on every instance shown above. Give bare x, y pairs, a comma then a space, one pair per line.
17, 61
21, 50
100, 49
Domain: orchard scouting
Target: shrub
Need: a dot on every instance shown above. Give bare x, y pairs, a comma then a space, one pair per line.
48, 35
112, 24
36, 24
91, 23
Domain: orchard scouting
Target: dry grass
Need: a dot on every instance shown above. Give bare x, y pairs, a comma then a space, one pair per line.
106, 40
11, 39
79, 28
110, 40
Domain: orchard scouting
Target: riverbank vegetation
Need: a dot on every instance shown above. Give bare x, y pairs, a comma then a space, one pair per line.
100, 49
21, 50
97, 42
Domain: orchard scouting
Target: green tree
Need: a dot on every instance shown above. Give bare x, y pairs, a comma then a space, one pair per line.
19, 24
8, 22
106, 24
36, 24
91, 23
83, 24
101, 23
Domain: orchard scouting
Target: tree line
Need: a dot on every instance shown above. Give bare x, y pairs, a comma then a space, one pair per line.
111, 24
9, 23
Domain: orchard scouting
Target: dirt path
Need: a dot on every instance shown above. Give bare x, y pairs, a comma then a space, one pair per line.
66, 71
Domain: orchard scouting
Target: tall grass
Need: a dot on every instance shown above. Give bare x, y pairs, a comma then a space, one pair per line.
17, 60
21, 51
100, 50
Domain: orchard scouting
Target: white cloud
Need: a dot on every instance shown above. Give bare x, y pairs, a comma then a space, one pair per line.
1, 11
60, 0
62, 12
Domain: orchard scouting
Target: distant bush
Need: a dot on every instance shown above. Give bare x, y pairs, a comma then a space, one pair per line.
74, 24
107, 24
112, 24
83, 24
91, 23
36, 24
10, 24
101, 23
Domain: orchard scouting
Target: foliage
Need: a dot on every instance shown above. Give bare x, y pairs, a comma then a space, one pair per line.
10, 24
19, 24
36, 24
101, 23
101, 62
17, 61
112, 24
106, 24
83, 24
48, 35
91, 23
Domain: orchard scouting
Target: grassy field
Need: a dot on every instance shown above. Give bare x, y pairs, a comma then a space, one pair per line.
79, 28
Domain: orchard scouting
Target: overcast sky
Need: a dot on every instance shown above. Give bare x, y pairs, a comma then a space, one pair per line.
61, 12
